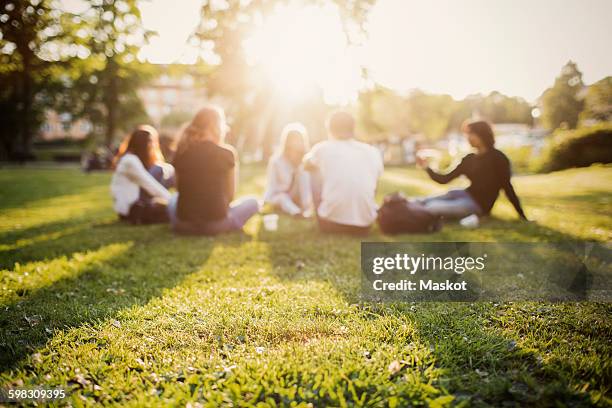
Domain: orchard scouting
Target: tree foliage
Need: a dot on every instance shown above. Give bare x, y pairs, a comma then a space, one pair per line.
83, 63
598, 101
382, 112
561, 104
102, 88
223, 26
32, 49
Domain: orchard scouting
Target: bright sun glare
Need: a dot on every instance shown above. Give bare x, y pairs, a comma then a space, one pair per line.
302, 48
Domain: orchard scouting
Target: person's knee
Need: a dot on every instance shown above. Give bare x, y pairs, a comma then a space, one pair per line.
447, 209
251, 203
172, 209
440, 208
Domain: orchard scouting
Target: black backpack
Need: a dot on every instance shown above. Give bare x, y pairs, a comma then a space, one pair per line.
398, 215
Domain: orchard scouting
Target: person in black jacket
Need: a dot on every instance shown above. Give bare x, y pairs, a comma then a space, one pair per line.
488, 171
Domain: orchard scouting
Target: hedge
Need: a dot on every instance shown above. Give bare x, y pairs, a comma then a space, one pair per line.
578, 148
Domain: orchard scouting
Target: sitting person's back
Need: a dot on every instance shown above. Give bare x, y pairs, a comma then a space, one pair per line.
206, 170
348, 172
203, 169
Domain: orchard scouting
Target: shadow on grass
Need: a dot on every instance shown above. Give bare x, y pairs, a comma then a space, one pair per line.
86, 232
143, 261
484, 367
60, 238
24, 186
478, 365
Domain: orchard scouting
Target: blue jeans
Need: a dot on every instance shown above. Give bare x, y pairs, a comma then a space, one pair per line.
238, 213
157, 172
453, 204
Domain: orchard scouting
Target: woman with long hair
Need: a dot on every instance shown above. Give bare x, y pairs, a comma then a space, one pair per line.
288, 185
141, 178
488, 170
207, 173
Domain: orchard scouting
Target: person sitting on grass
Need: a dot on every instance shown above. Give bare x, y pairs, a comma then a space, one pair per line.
344, 175
488, 170
141, 178
206, 173
288, 185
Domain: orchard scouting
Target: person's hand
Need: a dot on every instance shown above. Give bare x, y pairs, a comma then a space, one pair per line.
421, 162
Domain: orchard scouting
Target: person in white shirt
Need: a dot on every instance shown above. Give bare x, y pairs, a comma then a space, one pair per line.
288, 184
139, 196
344, 177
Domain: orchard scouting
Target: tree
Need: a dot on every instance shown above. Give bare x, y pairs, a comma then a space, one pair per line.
380, 112
499, 108
32, 50
103, 88
175, 119
561, 104
430, 114
219, 36
598, 101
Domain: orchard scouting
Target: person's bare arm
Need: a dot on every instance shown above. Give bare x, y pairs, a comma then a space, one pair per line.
308, 162
309, 166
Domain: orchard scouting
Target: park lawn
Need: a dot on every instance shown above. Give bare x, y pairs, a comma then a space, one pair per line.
117, 314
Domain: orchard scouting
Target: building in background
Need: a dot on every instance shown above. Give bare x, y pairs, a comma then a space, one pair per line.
173, 97
62, 126
169, 100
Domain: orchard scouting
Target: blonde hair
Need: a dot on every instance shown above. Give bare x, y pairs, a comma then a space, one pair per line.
200, 126
294, 129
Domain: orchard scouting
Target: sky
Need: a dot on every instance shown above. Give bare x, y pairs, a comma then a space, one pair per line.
444, 46
460, 47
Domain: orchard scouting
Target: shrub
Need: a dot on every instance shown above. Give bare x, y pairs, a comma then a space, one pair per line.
521, 158
578, 148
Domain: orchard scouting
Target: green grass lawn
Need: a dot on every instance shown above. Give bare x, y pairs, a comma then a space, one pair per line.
136, 316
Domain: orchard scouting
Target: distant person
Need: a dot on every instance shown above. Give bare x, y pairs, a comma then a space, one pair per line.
488, 171
344, 176
207, 173
288, 184
141, 178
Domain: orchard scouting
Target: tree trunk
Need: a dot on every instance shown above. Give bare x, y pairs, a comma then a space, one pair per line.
112, 102
26, 113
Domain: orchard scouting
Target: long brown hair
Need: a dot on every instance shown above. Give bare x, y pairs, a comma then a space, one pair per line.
201, 126
144, 143
482, 130
293, 130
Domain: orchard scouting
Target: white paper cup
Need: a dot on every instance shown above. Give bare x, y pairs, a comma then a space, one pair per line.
471, 221
270, 222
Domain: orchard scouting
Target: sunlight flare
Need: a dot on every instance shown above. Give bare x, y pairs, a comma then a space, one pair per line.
303, 49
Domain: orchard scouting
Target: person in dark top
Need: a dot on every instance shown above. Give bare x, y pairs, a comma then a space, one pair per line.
206, 173
488, 171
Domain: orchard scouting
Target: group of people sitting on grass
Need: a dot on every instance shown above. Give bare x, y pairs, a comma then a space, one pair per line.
335, 181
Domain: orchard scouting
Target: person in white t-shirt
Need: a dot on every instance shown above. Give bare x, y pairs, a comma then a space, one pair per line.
344, 176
